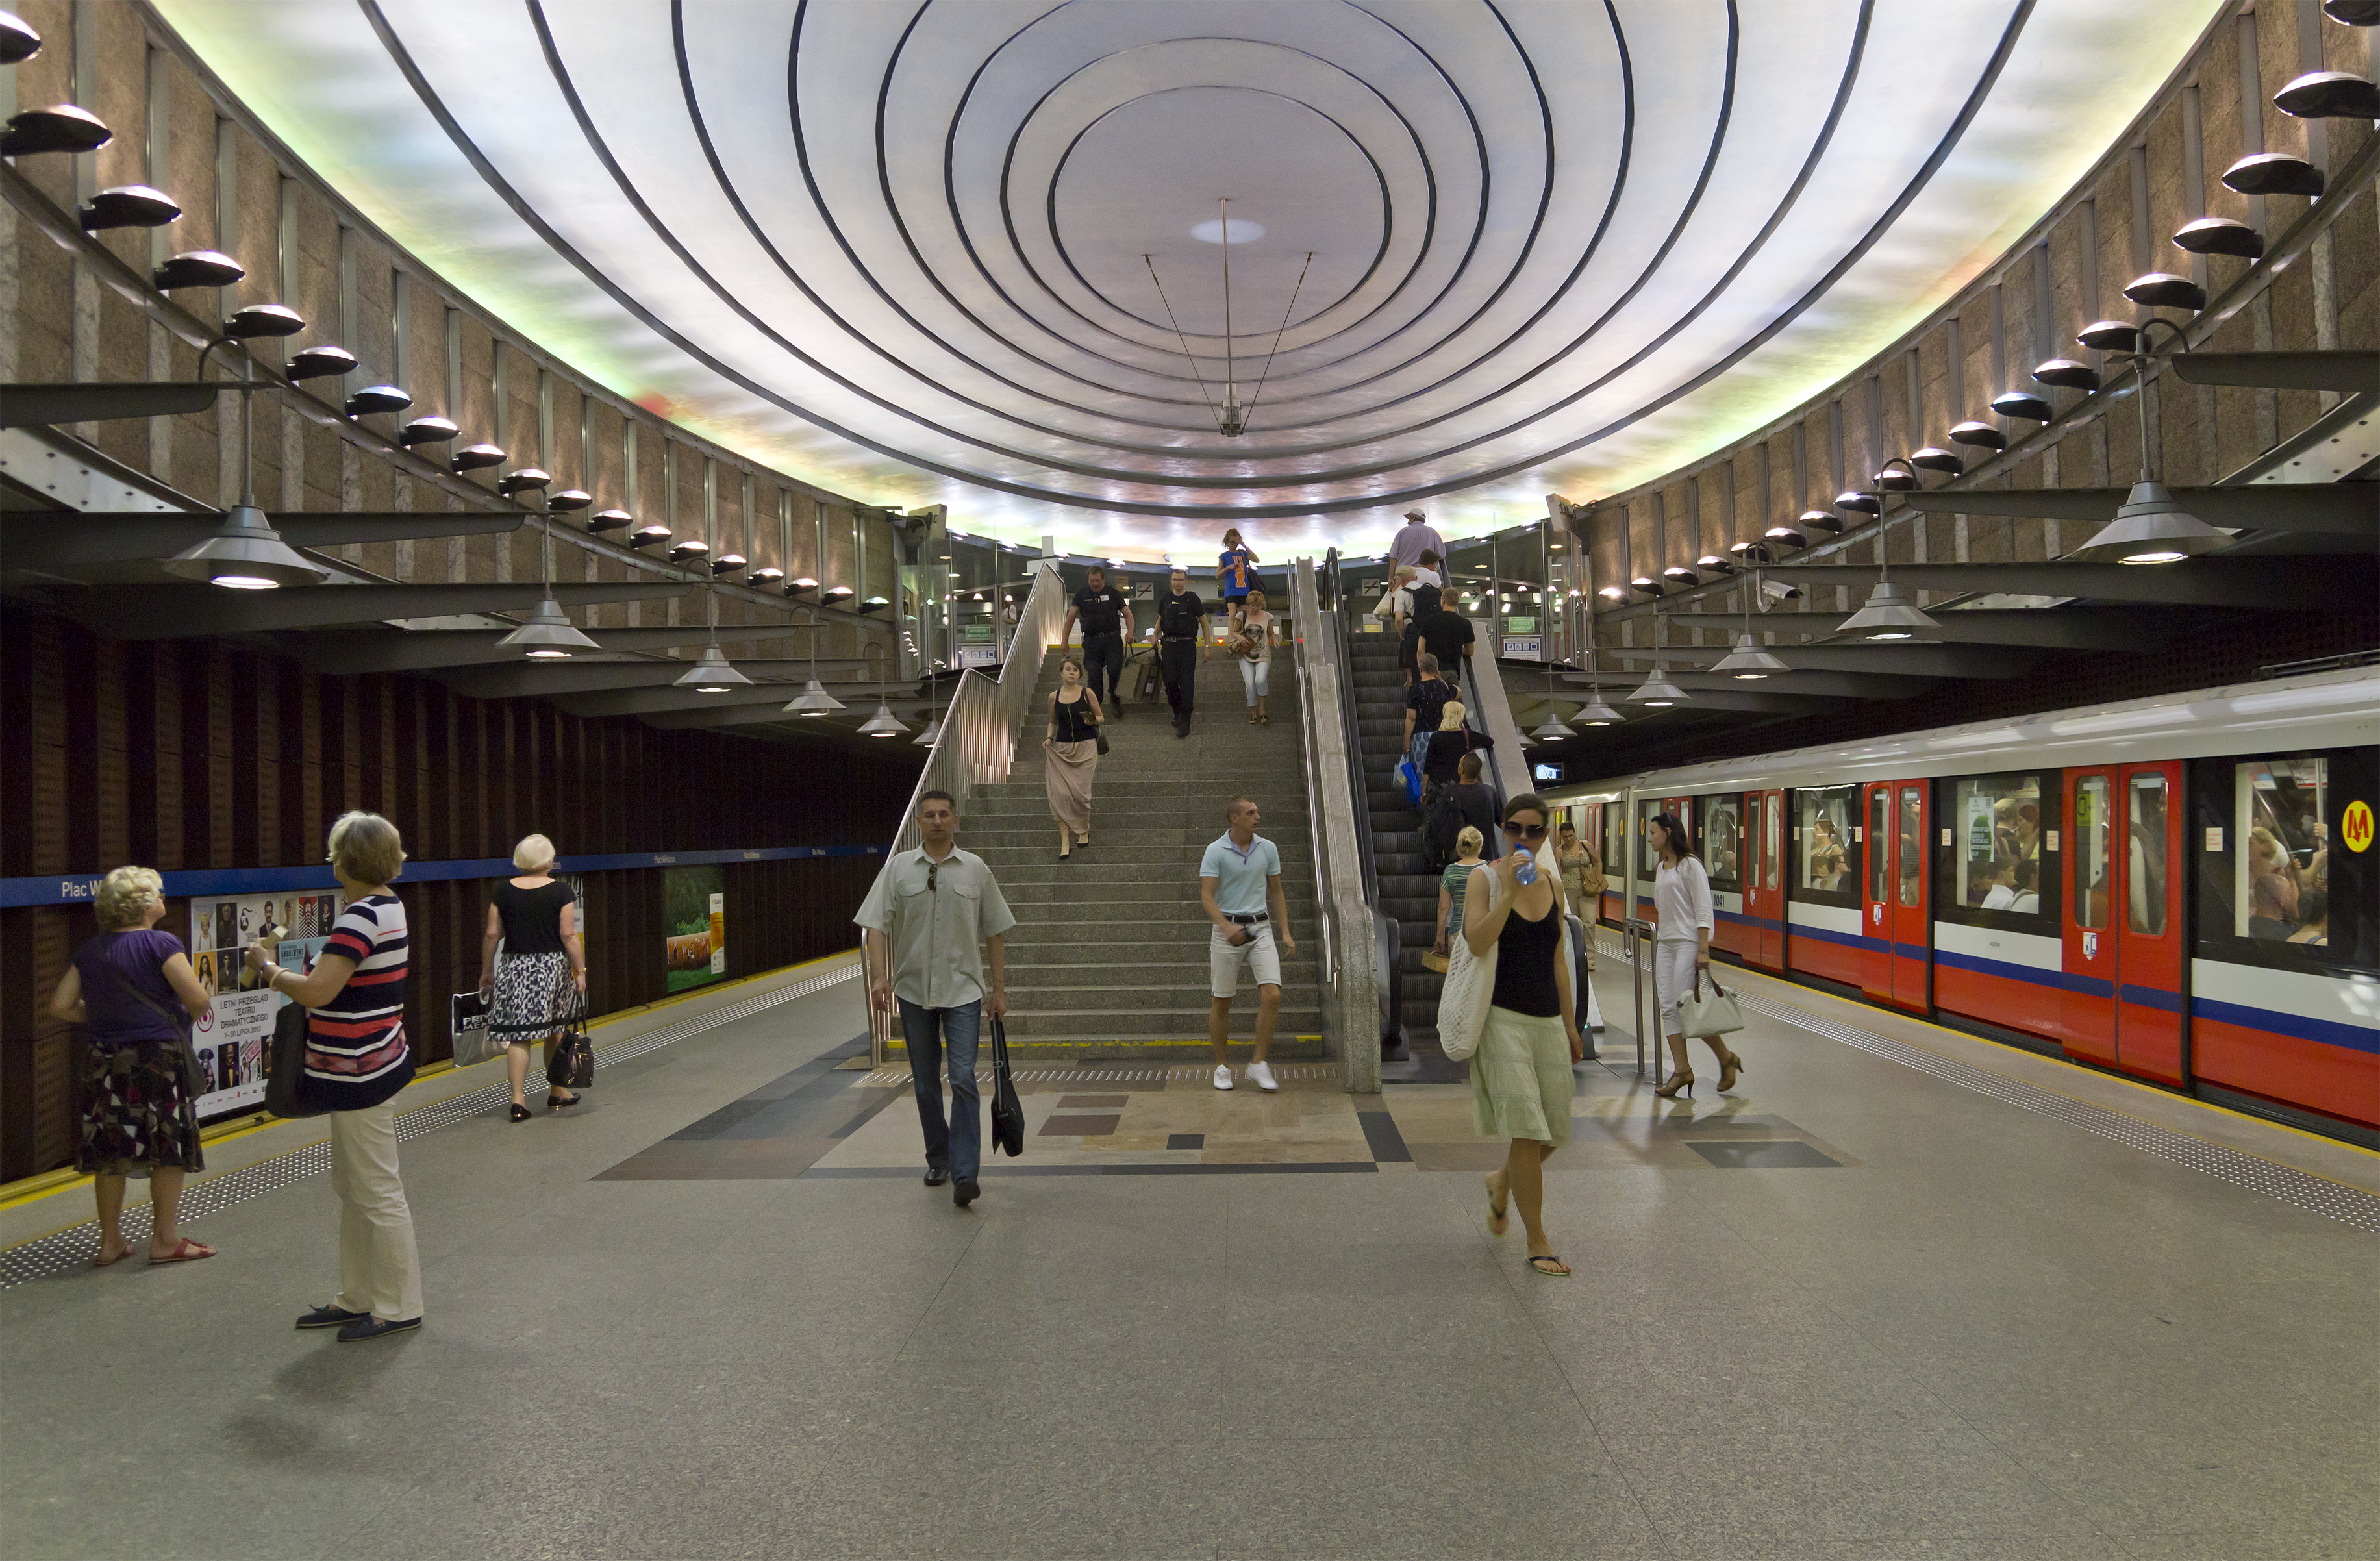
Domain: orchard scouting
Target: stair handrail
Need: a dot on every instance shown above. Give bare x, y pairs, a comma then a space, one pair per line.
1345, 876
978, 742
1483, 695
1388, 937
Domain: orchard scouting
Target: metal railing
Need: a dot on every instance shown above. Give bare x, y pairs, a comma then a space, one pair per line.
978, 738
1387, 938
1359, 943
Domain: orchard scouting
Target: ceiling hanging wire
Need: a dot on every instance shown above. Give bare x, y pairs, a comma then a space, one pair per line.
1178, 336
1232, 416
1257, 394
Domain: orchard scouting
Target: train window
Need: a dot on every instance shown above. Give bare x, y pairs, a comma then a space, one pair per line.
2093, 817
1996, 853
1723, 842
2281, 893
1774, 822
1828, 854
1879, 829
1912, 846
2144, 864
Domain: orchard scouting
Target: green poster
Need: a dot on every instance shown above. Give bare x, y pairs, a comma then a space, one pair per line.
694, 924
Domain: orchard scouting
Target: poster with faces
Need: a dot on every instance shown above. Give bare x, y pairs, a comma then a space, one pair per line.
233, 1040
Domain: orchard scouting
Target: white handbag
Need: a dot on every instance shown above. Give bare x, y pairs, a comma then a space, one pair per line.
1469, 983
1704, 1016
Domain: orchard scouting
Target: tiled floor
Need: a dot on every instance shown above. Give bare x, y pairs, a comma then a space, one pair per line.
715, 1314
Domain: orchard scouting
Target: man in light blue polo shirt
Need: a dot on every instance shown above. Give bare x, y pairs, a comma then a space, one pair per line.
1239, 887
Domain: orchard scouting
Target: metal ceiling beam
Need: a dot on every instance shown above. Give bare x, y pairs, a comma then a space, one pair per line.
712, 714
2057, 628
24, 406
522, 678
1735, 698
1889, 658
646, 701
1817, 684
407, 650
53, 540
2349, 371
187, 611
2202, 582
2342, 508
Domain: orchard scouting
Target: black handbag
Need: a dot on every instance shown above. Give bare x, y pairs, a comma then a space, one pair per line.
284, 1074
1007, 1111
572, 1067
186, 1054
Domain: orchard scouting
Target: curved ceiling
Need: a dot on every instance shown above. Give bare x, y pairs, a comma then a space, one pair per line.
966, 252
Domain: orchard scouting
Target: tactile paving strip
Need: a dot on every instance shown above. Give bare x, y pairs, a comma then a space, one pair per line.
1287, 1072
2332, 1200
77, 1245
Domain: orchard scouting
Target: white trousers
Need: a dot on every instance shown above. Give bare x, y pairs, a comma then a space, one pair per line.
1252, 678
1673, 977
380, 1268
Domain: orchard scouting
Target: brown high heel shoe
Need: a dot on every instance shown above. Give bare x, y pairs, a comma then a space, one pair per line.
1679, 1080
1728, 1072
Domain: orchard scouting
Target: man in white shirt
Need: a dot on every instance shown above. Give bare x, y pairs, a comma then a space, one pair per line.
1414, 537
1239, 888
928, 919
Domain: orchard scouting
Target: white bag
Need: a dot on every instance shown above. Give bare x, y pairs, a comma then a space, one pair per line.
1470, 979
1700, 1016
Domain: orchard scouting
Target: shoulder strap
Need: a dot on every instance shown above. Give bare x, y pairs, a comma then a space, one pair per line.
179, 1020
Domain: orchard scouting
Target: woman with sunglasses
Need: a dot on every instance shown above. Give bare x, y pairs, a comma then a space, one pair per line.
1521, 1080
1681, 902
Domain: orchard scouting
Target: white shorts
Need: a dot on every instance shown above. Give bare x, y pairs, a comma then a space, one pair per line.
1673, 977
1224, 961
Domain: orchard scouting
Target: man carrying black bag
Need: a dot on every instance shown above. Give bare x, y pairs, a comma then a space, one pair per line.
1181, 635
930, 917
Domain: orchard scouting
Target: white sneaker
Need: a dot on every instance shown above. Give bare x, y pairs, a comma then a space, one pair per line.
1262, 1075
1222, 1076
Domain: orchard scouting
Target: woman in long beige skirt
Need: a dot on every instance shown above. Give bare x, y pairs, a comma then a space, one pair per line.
1074, 756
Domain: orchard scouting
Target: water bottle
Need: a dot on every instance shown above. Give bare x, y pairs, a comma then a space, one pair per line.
1526, 873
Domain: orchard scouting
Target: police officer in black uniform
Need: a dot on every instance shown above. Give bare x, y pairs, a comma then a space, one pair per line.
1180, 629
1106, 620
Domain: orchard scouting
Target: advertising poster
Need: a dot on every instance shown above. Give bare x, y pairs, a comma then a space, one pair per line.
693, 920
233, 1040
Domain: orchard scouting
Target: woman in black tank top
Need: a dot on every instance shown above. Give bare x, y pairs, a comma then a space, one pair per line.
1521, 1080
534, 989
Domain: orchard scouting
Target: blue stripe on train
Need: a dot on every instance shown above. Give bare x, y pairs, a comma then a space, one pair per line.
2297, 1026
2088, 986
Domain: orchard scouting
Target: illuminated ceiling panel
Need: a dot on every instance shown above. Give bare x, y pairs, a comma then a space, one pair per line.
898, 249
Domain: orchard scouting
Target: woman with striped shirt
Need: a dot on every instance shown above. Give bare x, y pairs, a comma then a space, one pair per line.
357, 1061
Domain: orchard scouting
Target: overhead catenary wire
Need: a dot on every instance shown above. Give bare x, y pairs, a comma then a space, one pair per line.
1161, 298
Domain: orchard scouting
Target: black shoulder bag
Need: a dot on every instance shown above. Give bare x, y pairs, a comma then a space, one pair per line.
285, 1073
572, 1067
1007, 1111
185, 1054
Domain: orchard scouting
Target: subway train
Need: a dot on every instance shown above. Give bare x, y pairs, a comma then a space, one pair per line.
2182, 889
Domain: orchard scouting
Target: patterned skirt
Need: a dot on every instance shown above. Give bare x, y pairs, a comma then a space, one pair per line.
535, 1000
136, 1117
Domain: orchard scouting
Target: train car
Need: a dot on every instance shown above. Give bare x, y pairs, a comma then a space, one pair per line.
2184, 889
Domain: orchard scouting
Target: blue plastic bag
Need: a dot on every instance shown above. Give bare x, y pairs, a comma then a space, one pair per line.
1409, 782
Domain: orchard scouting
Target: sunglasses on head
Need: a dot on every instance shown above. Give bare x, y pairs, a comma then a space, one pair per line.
1525, 831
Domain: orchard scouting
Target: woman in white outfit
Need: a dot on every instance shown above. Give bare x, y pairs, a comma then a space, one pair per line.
1253, 650
1682, 899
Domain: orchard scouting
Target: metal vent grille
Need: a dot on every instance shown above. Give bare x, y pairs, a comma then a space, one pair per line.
76, 1246
2332, 1200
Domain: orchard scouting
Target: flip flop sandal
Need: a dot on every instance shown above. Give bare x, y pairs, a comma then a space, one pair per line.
1495, 1214
1559, 1270
187, 1251
111, 1262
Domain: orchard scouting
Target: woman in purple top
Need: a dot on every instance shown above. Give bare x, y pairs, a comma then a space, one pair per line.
133, 989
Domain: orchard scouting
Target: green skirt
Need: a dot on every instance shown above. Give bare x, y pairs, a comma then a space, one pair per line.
1520, 1078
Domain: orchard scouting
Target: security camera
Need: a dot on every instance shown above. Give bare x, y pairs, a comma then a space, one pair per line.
1771, 591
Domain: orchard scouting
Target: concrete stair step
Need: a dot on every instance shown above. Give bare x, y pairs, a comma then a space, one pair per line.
1042, 835
1183, 1023
1120, 851
1290, 787
1101, 954
1145, 880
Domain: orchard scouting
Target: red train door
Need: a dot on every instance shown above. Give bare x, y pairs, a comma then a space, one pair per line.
1893, 920
1763, 878
2149, 923
2087, 1007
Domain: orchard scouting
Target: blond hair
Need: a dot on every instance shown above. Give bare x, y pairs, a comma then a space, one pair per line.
1450, 718
1468, 839
124, 895
534, 854
1255, 599
365, 848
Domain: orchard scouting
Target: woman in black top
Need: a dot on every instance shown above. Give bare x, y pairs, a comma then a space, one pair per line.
1073, 749
1521, 1080
541, 980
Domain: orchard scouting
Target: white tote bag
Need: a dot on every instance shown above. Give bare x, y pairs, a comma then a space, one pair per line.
1470, 980
1702, 1016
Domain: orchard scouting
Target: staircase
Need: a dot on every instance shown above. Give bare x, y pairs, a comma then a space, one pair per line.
1109, 955
1408, 889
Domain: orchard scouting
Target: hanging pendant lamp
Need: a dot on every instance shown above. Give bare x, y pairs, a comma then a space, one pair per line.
548, 636
713, 673
813, 700
1888, 615
2150, 527
246, 553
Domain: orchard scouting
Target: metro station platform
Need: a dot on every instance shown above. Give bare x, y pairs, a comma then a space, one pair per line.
1903, 1293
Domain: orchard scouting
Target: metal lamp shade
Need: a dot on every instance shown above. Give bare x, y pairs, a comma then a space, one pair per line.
378, 398
568, 501
1658, 691
1747, 660
2067, 374
813, 700
645, 535
883, 723
1979, 436
264, 319
1552, 731
2273, 173
2163, 289
712, 673
2220, 235
198, 268
1818, 520
548, 636
475, 458
610, 520
59, 128
1934, 458
18, 43
319, 362
2109, 335
2022, 404
521, 481
1887, 615
931, 735
800, 584
128, 206
427, 430
2329, 94
1595, 712
246, 554
2151, 528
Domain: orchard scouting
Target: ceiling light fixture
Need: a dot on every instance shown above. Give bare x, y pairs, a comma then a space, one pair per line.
813, 700
713, 673
245, 553
59, 128
2109, 335
1657, 690
1888, 615
2150, 527
883, 723
1231, 418
548, 635
1747, 661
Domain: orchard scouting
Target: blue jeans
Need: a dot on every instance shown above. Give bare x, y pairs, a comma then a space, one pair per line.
957, 1144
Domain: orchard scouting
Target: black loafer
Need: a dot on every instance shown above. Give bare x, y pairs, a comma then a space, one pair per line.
936, 1174
329, 1317
375, 1327
966, 1192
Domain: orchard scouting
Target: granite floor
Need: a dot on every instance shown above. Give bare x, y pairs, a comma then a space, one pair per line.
1852, 1311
